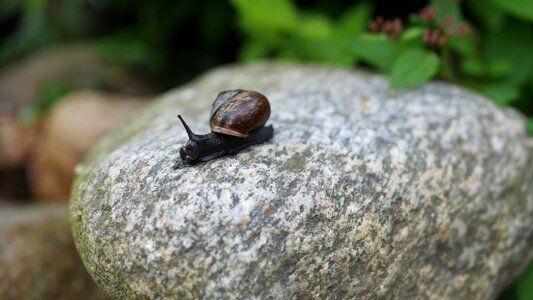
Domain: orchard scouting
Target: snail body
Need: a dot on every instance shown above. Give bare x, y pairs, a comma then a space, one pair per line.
237, 121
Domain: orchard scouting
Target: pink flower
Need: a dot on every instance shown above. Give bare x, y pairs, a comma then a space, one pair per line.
427, 13
435, 36
427, 35
390, 27
442, 40
373, 25
397, 25
463, 29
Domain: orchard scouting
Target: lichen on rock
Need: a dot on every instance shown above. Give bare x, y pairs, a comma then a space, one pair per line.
364, 192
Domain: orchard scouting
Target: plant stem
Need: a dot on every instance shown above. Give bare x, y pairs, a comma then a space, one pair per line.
447, 69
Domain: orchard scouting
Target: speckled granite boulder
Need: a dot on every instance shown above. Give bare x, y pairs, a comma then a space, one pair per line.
38, 260
363, 193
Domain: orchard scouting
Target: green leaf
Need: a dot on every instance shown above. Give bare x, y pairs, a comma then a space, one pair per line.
376, 50
498, 68
465, 46
273, 39
502, 93
524, 285
34, 5
447, 8
518, 8
511, 46
412, 37
314, 27
529, 127
412, 67
268, 14
473, 67
354, 20
329, 50
253, 50
488, 15
126, 48
495, 69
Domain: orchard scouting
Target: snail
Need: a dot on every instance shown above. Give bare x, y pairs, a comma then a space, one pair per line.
237, 121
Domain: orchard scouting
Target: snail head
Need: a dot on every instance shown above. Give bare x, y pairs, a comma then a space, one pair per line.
190, 152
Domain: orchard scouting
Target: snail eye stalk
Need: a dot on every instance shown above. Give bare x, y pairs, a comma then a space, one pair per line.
189, 131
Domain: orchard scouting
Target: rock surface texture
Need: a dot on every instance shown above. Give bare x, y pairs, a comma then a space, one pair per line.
363, 193
38, 260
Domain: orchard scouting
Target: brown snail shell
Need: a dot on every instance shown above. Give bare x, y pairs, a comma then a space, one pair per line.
239, 112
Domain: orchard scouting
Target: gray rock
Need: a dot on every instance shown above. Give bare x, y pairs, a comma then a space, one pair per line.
364, 192
38, 260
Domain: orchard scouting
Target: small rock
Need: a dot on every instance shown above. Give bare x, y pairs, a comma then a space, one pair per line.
16, 141
38, 260
76, 65
71, 128
363, 193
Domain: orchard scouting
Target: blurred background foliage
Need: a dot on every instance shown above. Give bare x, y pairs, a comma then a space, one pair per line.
486, 45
